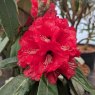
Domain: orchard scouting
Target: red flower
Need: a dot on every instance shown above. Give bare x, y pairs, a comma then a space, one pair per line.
34, 9
48, 47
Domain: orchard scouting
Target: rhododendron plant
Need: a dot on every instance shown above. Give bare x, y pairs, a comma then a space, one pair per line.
48, 47
39, 49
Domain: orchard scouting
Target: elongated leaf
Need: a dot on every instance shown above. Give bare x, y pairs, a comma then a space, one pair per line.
24, 11
0, 21
79, 89
14, 48
3, 43
9, 62
45, 88
8, 15
25, 5
17, 86
80, 78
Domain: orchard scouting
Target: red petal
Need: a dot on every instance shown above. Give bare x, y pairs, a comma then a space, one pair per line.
34, 10
44, 1
52, 77
66, 70
67, 37
51, 11
74, 53
58, 60
36, 69
62, 23
27, 41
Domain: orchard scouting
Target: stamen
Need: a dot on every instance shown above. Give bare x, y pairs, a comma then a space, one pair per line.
48, 59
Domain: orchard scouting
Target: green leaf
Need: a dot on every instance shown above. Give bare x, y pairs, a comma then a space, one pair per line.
9, 62
3, 43
0, 21
80, 78
25, 5
78, 88
45, 88
9, 19
14, 48
17, 86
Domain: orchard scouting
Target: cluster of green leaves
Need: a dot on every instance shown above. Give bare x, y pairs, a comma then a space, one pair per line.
20, 85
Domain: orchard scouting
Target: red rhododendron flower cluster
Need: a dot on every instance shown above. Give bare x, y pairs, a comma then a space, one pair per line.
48, 47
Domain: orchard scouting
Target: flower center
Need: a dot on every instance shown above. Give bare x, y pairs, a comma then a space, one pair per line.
49, 52
49, 57
49, 37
